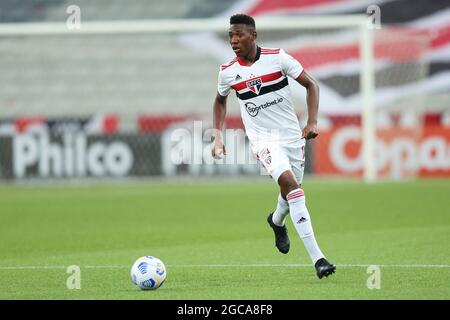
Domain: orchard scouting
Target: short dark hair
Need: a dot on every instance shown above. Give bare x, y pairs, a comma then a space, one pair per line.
241, 18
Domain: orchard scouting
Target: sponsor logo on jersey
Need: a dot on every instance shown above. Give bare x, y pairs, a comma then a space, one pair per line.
253, 109
237, 77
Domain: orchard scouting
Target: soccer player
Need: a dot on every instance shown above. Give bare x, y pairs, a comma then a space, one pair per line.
259, 77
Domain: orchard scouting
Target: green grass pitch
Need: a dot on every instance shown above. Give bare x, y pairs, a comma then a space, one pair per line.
216, 244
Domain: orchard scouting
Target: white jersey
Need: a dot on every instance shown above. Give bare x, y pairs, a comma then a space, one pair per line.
264, 96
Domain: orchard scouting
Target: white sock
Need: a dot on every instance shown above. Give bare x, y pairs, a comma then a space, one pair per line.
302, 222
281, 212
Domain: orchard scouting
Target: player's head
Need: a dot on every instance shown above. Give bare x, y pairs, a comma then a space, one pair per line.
242, 34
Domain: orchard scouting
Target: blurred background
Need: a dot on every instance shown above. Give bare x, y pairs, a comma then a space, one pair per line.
80, 105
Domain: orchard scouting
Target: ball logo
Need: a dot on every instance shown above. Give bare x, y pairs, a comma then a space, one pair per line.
160, 271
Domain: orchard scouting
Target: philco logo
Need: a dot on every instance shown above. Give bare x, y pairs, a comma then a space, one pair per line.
74, 156
254, 85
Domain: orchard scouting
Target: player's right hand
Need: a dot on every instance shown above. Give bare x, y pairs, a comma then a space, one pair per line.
218, 149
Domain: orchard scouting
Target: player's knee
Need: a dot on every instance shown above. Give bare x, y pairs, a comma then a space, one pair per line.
293, 185
287, 183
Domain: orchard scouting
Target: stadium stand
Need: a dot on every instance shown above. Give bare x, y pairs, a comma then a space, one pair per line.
58, 78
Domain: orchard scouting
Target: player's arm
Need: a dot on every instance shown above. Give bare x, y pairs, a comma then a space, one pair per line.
219, 112
312, 100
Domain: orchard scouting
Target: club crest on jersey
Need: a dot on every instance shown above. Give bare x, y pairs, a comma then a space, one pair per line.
254, 85
265, 157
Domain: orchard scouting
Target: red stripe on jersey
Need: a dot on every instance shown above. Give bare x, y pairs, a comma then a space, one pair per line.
265, 78
270, 51
224, 66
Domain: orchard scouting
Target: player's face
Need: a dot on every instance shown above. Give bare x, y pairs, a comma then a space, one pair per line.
242, 39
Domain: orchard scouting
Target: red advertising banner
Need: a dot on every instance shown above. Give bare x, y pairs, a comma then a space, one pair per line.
399, 152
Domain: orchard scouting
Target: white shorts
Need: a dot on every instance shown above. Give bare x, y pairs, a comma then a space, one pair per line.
277, 158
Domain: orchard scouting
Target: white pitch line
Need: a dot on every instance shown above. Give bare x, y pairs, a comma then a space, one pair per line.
32, 267
430, 266
310, 265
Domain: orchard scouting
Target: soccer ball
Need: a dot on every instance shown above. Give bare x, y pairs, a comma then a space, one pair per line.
148, 273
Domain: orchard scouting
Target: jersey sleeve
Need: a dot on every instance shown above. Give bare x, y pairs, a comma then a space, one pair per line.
223, 87
290, 66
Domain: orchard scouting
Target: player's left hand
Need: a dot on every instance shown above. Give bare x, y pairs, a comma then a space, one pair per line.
310, 131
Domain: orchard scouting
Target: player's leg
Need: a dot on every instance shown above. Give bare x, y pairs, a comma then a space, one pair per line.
291, 187
282, 241
301, 219
276, 221
281, 211
300, 216
274, 163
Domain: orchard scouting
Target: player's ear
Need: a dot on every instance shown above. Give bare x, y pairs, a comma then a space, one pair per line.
255, 35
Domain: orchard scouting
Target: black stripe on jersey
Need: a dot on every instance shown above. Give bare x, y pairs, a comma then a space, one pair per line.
268, 89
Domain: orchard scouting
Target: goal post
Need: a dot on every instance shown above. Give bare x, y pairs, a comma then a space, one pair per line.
367, 85
219, 25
